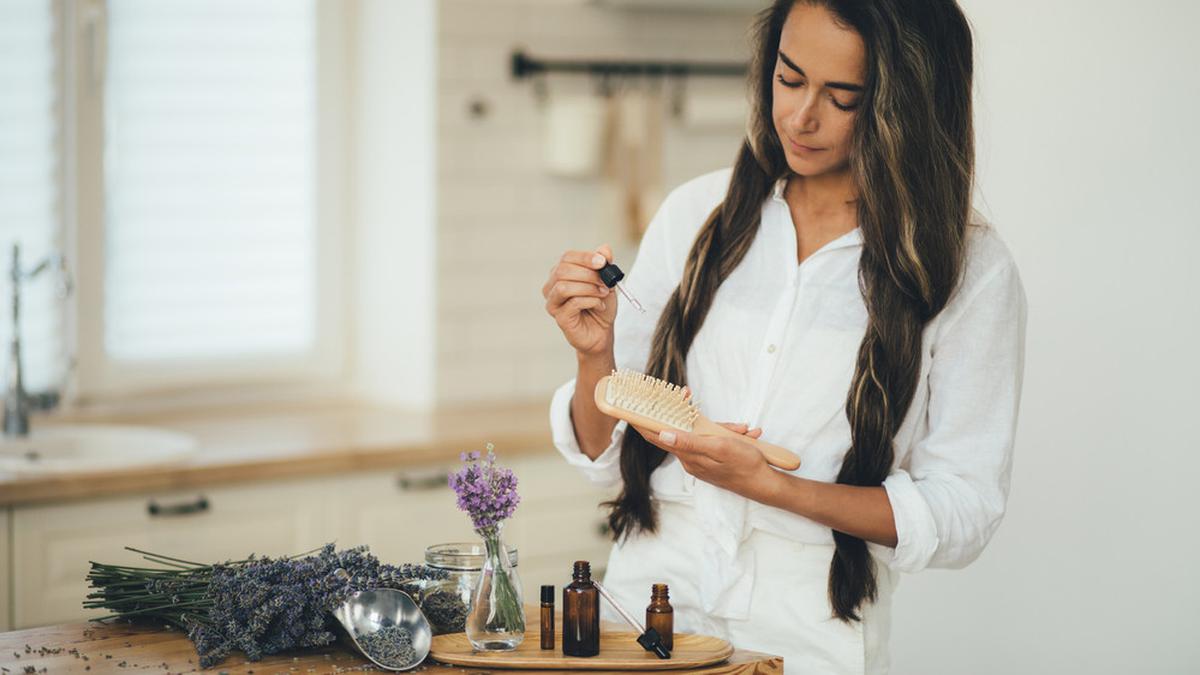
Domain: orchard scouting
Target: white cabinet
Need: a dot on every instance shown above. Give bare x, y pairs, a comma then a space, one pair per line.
53, 544
557, 522
397, 513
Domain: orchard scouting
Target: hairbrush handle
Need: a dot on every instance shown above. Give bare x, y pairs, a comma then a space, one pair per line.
775, 455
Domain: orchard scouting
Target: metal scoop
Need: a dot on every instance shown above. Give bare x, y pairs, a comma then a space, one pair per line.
367, 612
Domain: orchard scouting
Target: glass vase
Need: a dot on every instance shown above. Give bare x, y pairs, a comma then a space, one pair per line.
496, 619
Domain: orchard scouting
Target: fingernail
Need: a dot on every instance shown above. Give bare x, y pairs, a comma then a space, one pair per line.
598, 260
667, 437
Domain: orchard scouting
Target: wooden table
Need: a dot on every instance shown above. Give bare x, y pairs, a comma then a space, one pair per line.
93, 649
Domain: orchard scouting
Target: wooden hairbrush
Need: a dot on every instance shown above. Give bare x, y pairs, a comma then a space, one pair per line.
658, 405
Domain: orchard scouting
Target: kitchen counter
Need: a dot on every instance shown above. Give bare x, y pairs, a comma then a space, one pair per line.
252, 445
92, 649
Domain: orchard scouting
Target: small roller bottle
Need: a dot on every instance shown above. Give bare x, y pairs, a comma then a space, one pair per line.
547, 616
660, 615
581, 613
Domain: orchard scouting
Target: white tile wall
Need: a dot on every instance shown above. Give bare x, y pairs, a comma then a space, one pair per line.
503, 221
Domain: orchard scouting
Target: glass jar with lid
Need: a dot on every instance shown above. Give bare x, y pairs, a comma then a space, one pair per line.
463, 562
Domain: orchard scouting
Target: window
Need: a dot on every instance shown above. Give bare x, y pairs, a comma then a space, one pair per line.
206, 223
30, 177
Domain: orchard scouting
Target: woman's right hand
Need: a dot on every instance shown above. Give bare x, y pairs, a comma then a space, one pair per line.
582, 306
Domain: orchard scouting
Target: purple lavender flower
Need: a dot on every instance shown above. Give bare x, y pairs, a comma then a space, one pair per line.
486, 492
261, 605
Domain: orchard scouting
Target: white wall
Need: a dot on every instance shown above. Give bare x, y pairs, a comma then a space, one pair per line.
1086, 119
393, 173
502, 220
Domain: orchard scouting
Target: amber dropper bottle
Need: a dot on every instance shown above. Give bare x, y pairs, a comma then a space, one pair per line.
547, 616
581, 613
660, 615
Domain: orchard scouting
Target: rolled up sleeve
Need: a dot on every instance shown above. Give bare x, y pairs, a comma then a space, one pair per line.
949, 497
652, 279
605, 469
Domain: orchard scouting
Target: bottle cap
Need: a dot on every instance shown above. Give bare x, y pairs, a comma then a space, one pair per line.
548, 593
651, 641
610, 274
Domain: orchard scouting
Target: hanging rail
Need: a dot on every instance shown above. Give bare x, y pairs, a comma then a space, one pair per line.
524, 66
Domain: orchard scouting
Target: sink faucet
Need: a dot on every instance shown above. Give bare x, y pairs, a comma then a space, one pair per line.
18, 402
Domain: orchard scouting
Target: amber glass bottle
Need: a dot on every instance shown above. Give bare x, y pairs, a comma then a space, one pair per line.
581, 613
547, 617
660, 615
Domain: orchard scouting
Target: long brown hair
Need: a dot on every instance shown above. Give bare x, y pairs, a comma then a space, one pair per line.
912, 159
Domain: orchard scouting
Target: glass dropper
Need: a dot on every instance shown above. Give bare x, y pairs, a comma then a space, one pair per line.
612, 275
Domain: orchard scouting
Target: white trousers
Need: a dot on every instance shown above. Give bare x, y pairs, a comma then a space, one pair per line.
790, 615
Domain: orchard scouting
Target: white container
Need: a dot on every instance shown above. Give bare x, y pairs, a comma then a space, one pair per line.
575, 134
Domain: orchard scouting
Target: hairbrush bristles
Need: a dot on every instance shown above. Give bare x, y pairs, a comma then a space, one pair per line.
651, 397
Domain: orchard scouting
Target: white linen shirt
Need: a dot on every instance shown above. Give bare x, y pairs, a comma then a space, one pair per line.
777, 350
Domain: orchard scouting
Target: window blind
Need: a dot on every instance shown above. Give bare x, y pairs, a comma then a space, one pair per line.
29, 179
210, 164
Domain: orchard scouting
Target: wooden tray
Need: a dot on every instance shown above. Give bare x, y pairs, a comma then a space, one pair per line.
619, 650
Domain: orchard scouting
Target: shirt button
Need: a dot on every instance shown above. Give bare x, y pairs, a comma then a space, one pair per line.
770, 349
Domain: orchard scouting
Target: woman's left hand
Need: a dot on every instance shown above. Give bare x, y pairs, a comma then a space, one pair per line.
724, 461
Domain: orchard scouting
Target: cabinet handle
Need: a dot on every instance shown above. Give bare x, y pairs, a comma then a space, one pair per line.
423, 482
200, 505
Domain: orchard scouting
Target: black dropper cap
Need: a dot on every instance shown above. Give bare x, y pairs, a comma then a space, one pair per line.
651, 641
610, 274
548, 593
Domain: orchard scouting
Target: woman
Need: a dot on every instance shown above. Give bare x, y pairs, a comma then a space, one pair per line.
834, 295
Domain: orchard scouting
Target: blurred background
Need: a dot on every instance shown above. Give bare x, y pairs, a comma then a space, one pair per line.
280, 261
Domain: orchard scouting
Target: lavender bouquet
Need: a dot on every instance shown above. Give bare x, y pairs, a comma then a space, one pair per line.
261, 606
488, 493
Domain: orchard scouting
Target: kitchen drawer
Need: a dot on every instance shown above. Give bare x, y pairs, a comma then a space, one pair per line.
560, 526
558, 521
399, 513
553, 534
53, 544
548, 476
